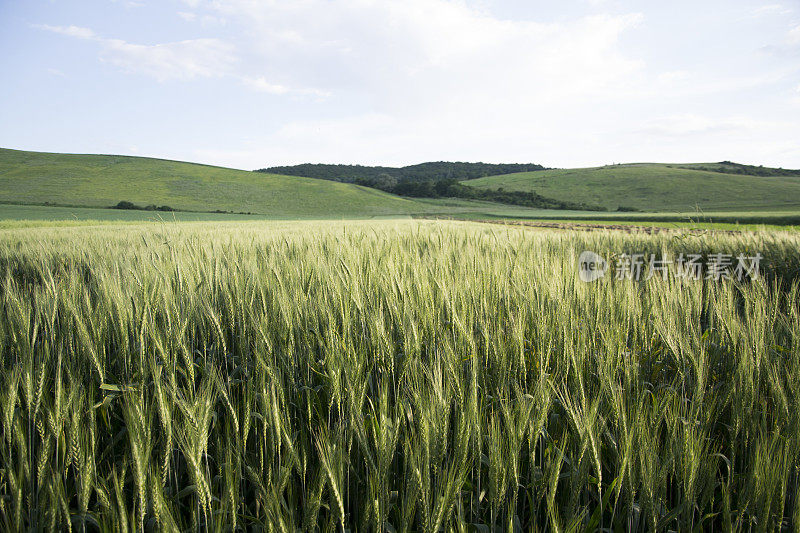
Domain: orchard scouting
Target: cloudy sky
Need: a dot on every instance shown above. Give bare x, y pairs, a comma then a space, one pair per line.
253, 83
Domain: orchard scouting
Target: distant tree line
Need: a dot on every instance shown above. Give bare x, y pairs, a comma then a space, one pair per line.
451, 188
434, 180
130, 205
422, 172
729, 167
152, 207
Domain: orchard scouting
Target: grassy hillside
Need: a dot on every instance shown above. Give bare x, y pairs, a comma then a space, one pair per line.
102, 181
654, 187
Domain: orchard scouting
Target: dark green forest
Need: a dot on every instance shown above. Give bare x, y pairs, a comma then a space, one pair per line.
433, 180
451, 188
433, 171
729, 167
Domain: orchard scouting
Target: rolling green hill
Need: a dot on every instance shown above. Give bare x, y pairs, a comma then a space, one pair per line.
105, 180
655, 187
100, 181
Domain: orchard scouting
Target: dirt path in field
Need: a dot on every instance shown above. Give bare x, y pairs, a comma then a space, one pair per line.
580, 226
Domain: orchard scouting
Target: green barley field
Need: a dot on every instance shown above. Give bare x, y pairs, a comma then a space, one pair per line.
392, 376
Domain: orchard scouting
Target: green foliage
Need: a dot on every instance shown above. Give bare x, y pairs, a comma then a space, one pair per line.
728, 167
408, 376
131, 206
450, 188
435, 171
126, 205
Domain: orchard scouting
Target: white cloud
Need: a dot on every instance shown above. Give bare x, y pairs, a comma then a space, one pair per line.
793, 37
70, 31
194, 58
129, 3
427, 53
205, 20
178, 60
772, 9
437, 77
261, 84
688, 124
428, 49
674, 76
383, 81
682, 125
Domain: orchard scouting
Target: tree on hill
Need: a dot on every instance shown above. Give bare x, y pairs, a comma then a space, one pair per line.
434, 171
